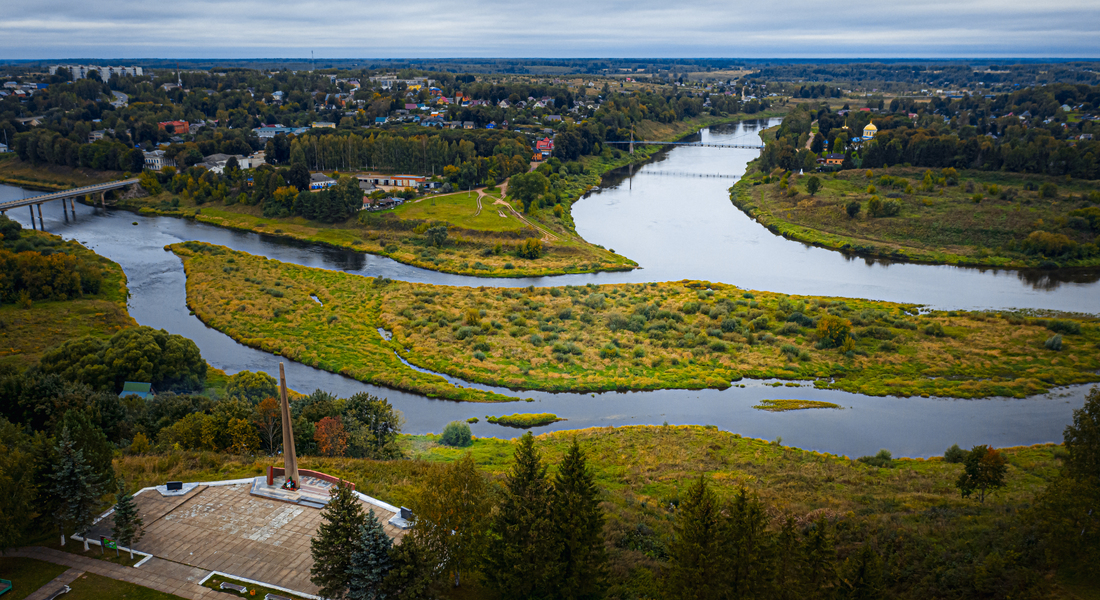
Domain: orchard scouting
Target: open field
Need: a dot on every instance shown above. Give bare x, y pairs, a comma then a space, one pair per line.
26, 333
986, 219
681, 335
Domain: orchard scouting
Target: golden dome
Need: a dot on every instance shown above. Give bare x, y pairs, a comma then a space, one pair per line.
870, 127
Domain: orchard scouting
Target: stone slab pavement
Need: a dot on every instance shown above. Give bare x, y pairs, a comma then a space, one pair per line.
158, 574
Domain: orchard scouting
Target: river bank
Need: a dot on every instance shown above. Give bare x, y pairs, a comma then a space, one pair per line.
679, 335
478, 249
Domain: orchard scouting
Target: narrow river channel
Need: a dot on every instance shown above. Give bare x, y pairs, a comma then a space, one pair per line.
674, 217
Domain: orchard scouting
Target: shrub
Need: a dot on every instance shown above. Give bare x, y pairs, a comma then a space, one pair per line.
731, 324
565, 314
718, 346
801, 319
616, 321
891, 208
482, 346
790, 350
934, 330
535, 339
1048, 244
1048, 190
760, 324
833, 331
1066, 327
609, 351
456, 433
529, 248
874, 206
639, 352
954, 454
883, 459
595, 301
1054, 342
690, 308
466, 331
853, 208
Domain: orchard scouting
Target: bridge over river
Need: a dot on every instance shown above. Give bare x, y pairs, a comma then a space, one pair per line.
88, 190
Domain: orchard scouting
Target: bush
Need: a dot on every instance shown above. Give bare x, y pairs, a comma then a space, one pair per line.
535, 339
718, 346
935, 330
1066, 327
955, 455
595, 301
731, 324
1048, 190
529, 248
833, 331
883, 460
1054, 342
891, 208
690, 308
853, 208
1048, 244
457, 434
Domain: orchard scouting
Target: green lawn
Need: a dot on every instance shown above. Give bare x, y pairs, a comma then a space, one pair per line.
260, 591
90, 586
26, 575
459, 210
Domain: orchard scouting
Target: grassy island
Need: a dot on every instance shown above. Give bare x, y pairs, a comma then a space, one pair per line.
674, 335
525, 420
785, 405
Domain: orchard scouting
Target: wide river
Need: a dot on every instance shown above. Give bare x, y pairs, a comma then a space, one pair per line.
674, 217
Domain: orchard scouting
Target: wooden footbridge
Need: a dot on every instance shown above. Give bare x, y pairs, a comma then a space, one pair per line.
70, 195
700, 144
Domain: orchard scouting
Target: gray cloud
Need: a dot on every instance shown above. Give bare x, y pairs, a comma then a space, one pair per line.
562, 28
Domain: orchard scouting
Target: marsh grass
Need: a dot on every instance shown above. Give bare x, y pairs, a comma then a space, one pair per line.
525, 420
940, 225
691, 335
785, 405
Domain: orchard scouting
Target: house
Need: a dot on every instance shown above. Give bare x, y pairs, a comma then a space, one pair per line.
834, 159
544, 148
179, 127
96, 135
320, 181
270, 131
552, 117
380, 121
156, 160
1085, 136
467, 124
323, 125
137, 388
3, 148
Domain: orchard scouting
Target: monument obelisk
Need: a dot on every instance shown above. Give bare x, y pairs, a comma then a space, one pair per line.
290, 460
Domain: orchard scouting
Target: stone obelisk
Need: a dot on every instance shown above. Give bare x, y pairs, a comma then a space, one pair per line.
290, 460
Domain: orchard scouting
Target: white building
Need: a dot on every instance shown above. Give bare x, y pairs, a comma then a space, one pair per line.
105, 73
155, 160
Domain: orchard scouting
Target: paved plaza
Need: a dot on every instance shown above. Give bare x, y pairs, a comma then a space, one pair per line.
226, 528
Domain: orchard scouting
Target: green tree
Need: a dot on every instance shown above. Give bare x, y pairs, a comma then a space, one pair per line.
373, 425
370, 562
456, 433
747, 546
874, 206
579, 522
17, 502
833, 331
128, 525
983, 471
436, 236
696, 566
1082, 440
863, 577
76, 487
528, 187
813, 184
452, 518
852, 208
93, 445
337, 538
252, 387
409, 577
522, 557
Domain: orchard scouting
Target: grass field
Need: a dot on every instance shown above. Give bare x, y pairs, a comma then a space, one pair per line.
785, 405
980, 221
90, 586
25, 334
684, 335
461, 210
26, 575
257, 591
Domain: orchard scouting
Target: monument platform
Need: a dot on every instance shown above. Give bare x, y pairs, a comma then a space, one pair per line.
313, 492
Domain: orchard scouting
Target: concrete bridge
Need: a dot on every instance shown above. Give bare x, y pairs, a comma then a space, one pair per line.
88, 190
701, 144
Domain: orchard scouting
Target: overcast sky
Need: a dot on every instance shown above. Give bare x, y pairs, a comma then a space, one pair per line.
48, 29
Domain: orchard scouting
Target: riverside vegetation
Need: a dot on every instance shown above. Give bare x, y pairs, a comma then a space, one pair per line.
932, 215
687, 334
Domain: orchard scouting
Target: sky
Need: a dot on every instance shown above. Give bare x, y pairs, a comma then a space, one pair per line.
56, 29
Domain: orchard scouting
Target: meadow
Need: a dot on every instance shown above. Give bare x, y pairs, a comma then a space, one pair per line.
980, 218
678, 335
27, 332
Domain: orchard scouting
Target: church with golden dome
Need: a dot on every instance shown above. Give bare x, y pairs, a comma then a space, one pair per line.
869, 131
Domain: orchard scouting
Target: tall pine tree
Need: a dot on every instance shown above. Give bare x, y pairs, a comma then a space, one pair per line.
128, 525
522, 557
452, 517
370, 563
76, 487
696, 569
579, 520
336, 540
748, 547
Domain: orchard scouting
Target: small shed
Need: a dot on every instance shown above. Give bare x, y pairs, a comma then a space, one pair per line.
137, 388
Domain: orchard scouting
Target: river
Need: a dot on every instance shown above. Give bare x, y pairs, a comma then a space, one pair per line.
677, 225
